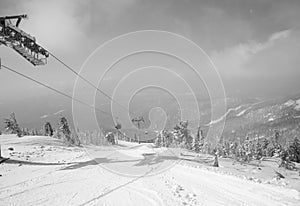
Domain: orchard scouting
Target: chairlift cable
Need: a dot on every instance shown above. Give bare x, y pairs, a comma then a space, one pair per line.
53, 89
88, 82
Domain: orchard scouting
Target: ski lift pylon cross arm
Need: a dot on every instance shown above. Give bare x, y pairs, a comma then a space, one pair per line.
24, 44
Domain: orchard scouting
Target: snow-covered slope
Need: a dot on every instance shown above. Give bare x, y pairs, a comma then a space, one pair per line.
42, 171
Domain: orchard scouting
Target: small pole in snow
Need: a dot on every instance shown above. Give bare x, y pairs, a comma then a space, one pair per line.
216, 162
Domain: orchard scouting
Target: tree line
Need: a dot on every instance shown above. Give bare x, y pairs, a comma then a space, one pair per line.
63, 131
250, 149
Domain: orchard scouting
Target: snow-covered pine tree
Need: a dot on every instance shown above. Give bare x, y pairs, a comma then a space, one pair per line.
27, 131
183, 136
48, 131
277, 135
8, 125
110, 137
23, 131
202, 139
265, 144
135, 138
196, 141
158, 140
258, 150
294, 150
65, 129
76, 140
168, 137
12, 125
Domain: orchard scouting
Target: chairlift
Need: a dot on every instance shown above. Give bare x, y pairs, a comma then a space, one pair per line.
23, 43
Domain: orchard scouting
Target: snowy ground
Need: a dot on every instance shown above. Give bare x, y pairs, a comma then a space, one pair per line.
42, 171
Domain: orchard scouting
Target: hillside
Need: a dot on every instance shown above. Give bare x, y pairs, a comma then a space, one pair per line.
263, 119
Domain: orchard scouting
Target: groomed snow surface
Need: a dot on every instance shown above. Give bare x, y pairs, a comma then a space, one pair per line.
42, 171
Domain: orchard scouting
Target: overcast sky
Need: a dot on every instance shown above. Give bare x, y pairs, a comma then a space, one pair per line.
255, 44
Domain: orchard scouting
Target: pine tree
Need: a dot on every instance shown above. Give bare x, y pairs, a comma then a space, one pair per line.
265, 144
110, 138
48, 131
12, 125
158, 140
196, 142
168, 137
23, 131
258, 150
294, 150
277, 137
65, 129
183, 134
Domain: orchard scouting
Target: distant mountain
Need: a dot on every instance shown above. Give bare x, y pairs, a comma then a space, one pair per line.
244, 117
253, 117
263, 118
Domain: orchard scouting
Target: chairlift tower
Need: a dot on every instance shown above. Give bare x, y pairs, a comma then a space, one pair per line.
138, 120
23, 43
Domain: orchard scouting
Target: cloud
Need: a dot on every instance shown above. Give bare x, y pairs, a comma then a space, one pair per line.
99, 19
280, 35
232, 60
59, 112
53, 23
44, 116
56, 113
114, 8
270, 67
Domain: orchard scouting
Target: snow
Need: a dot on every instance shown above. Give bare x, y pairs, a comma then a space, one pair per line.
241, 113
297, 107
139, 152
42, 171
295, 103
289, 103
220, 189
271, 119
225, 115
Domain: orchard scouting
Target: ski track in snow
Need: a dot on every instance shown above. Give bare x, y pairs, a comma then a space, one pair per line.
85, 183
